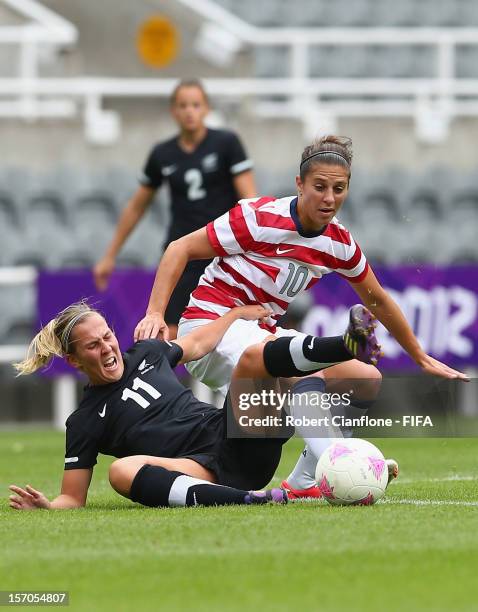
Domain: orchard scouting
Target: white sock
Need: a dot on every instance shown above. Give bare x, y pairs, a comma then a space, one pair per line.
303, 474
317, 439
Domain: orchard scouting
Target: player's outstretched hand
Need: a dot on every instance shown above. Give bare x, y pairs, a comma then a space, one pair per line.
27, 499
254, 312
102, 272
430, 365
152, 326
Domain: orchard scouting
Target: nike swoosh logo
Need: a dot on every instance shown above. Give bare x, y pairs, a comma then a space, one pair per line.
168, 170
103, 412
280, 251
311, 345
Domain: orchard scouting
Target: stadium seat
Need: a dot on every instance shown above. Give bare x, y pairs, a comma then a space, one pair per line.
46, 208
381, 206
95, 208
76, 258
447, 13
17, 303
272, 62
467, 11
121, 182
394, 14
17, 182
264, 13
424, 206
464, 208
345, 13
272, 184
143, 248
369, 236
464, 257
9, 214
466, 61
29, 257
93, 221
19, 332
464, 250
334, 61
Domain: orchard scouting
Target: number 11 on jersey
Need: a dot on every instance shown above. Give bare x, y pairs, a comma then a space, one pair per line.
139, 383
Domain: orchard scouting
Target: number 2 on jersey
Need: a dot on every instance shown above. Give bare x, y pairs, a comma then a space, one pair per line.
194, 180
139, 383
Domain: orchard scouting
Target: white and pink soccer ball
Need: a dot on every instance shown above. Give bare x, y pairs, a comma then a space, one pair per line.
351, 472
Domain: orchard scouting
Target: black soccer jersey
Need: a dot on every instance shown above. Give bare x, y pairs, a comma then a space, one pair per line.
147, 412
200, 182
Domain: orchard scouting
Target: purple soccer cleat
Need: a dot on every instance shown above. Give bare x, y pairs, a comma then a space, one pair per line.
275, 496
359, 338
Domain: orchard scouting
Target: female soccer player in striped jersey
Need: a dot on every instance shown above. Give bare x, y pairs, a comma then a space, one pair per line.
267, 252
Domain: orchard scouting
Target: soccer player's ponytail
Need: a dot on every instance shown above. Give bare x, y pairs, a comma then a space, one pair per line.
41, 350
53, 339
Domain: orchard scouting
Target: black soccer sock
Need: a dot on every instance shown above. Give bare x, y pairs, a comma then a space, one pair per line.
156, 486
298, 356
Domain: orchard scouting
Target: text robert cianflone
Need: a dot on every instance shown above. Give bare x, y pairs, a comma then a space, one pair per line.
273, 399
335, 421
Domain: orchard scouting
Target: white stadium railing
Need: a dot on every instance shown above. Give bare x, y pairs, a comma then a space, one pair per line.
431, 102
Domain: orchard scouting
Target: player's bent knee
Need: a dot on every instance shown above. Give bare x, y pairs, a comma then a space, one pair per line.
374, 373
251, 362
370, 380
122, 472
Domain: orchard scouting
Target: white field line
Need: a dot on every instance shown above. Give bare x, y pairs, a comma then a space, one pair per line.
427, 502
400, 480
454, 478
417, 502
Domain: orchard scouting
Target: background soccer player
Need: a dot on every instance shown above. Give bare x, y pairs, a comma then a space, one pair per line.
269, 251
207, 171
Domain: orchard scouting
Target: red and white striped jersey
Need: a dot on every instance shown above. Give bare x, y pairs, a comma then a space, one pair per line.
265, 258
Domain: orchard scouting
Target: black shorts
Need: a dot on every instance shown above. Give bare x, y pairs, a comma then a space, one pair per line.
181, 294
247, 463
243, 463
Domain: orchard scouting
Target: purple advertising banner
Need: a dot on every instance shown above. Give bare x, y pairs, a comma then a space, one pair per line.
441, 304
123, 304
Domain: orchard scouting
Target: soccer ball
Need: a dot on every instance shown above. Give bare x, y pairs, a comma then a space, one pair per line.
350, 472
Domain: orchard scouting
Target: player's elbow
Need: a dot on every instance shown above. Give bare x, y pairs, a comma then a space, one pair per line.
180, 249
199, 349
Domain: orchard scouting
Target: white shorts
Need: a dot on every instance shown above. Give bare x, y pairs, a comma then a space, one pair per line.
215, 368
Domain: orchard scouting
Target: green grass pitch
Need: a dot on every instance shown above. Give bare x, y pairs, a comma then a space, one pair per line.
418, 550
